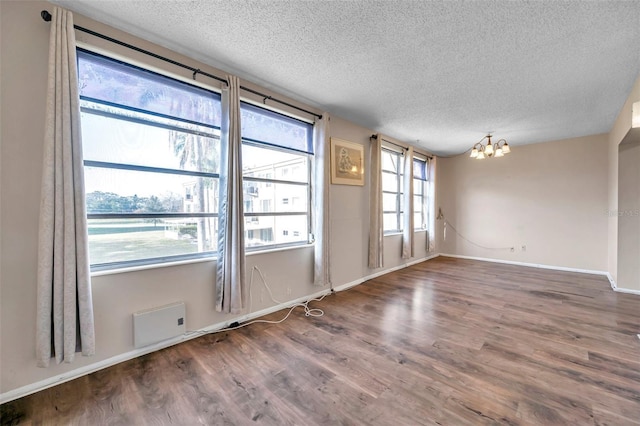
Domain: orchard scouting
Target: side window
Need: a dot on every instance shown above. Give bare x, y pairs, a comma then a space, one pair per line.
419, 194
392, 203
391, 191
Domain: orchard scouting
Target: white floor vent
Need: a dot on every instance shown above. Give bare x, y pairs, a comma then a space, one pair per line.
157, 324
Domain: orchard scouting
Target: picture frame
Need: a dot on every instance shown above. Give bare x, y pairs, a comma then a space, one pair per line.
347, 163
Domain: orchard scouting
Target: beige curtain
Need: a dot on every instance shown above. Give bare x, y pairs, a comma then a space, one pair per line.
376, 233
320, 211
431, 204
407, 198
230, 276
64, 323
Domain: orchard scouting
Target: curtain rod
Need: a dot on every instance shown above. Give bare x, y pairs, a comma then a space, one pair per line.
404, 148
47, 17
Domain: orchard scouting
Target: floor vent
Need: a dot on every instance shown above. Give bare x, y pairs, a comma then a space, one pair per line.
158, 324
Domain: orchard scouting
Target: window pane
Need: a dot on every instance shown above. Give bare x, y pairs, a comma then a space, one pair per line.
262, 125
275, 164
417, 187
389, 202
272, 230
419, 170
268, 163
390, 222
113, 140
121, 240
390, 161
417, 221
126, 191
389, 182
114, 81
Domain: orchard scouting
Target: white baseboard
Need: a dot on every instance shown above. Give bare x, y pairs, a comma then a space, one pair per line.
627, 291
531, 265
612, 282
615, 287
348, 285
83, 371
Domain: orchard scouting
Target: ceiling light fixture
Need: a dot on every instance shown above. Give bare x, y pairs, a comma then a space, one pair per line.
499, 149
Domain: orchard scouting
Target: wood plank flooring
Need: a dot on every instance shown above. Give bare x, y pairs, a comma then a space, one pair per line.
447, 342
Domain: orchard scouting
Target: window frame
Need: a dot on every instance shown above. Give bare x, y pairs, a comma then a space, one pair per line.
398, 193
399, 174
214, 133
144, 120
423, 182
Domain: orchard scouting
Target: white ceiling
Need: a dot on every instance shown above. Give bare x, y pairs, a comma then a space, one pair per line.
441, 73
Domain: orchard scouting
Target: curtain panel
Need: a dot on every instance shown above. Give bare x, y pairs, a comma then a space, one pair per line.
376, 233
431, 204
407, 198
320, 212
230, 273
64, 323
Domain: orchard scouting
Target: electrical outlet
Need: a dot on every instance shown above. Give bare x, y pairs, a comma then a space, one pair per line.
513, 249
524, 247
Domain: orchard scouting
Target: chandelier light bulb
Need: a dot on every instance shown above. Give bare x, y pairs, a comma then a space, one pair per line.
474, 152
505, 148
489, 148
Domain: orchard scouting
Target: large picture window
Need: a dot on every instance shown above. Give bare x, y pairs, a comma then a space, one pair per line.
151, 156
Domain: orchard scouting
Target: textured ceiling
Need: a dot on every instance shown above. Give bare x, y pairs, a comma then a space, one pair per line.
441, 73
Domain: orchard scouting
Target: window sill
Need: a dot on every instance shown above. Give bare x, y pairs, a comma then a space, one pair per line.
190, 261
136, 268
277, 249
415, 231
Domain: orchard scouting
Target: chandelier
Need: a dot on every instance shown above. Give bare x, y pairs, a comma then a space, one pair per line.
499, 149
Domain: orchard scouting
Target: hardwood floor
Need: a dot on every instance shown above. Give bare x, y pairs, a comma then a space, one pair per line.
447, 341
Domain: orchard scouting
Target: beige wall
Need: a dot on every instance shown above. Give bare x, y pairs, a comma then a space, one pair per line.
550, 197
289, 273
629, 212
350, 220
618, 132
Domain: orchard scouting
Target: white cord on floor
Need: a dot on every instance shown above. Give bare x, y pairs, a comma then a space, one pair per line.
309, 312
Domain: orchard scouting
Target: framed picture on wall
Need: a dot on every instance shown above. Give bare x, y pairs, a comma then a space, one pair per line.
347, 162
